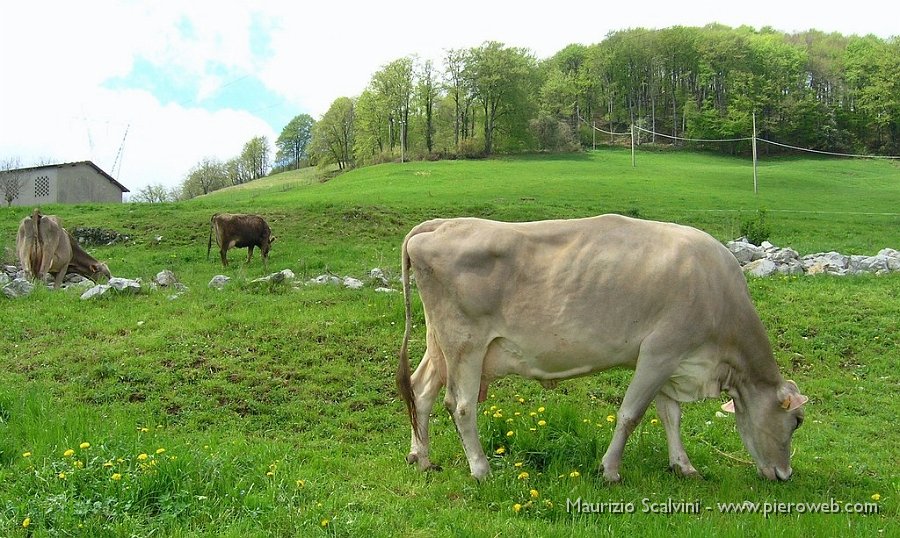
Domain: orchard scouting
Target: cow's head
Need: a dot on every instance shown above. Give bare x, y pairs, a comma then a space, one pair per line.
766, 421
99, 270
266, 245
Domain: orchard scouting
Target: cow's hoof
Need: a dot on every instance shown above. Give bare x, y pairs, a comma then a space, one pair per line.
611, 477
412, 458
686, 472
435, 468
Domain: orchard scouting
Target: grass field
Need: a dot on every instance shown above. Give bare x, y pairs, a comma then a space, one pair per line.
271, 411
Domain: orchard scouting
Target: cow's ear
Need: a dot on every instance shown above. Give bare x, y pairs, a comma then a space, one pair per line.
728, 406
789, 396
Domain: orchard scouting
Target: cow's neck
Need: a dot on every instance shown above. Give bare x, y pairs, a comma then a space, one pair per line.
756, 372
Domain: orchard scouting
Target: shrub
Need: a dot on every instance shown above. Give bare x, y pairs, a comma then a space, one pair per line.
756, 229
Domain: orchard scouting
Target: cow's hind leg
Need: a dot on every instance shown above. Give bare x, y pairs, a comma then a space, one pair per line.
461, 400
426, 382
670, 414
652, 370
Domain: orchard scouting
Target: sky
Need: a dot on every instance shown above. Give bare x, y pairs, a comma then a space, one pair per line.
147, 89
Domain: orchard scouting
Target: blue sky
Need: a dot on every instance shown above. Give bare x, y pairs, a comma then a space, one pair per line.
193, 80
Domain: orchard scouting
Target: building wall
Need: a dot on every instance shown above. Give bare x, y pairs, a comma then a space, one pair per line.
81, 183
40, 187
66, 184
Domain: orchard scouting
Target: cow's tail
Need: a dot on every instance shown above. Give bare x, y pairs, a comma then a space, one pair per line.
37, 246
404, 376
212, 224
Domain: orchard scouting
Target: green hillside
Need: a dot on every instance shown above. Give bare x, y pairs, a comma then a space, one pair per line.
267, 410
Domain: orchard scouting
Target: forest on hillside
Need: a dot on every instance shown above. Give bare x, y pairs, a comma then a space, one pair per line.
822, 91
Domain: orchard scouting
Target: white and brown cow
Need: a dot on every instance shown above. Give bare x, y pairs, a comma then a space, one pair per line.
239, 231
558, 299
45, 247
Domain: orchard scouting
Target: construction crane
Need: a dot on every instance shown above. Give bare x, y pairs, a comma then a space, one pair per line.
117, 164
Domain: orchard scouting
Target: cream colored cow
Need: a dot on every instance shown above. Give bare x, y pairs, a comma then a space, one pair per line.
558, 299
45, 247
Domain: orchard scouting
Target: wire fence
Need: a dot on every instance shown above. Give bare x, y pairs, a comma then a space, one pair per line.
638, 128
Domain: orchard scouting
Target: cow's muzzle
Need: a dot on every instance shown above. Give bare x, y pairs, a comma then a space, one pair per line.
776, 473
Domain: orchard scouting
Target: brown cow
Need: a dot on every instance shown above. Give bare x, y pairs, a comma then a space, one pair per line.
44, 246
239, 231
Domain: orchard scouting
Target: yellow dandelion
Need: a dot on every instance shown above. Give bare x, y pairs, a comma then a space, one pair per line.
108, 464
510, 433
541, 409
654, 421
523, 475
517, 507
144, 429
532, 429
542, 423
532, 414
69, 453
610, 418
574, 474
493, 408
534, 494
61, 475
876, 497
160, 450
26, 454
142, 457
301, 483
83, 446
500, 450
116, 477
79, 464
26, 522
498, 414
521, 400
324, 522
270, 473
518, 464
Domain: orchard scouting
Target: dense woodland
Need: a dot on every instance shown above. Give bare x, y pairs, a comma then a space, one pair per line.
826, 92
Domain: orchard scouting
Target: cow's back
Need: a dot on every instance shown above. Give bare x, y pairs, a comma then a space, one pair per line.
567, 291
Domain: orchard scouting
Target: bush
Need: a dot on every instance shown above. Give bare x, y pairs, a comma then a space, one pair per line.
756, 229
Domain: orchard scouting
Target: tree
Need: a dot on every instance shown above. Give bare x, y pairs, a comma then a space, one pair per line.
504, 81
293, 142
333, 134
427, 95
155, 194
12, 179
209, 175
236, 171
255, 157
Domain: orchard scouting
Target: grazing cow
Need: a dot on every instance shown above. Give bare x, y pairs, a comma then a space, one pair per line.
44, 246
558, 299
236, 230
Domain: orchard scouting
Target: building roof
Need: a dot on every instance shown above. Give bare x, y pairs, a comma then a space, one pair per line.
88, 163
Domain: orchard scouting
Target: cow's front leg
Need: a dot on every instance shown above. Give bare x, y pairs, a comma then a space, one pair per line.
60, 276
648, 378
670, 414
249, 253
462, 402
426, 382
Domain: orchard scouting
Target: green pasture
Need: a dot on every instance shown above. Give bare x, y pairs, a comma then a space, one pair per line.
266, 410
